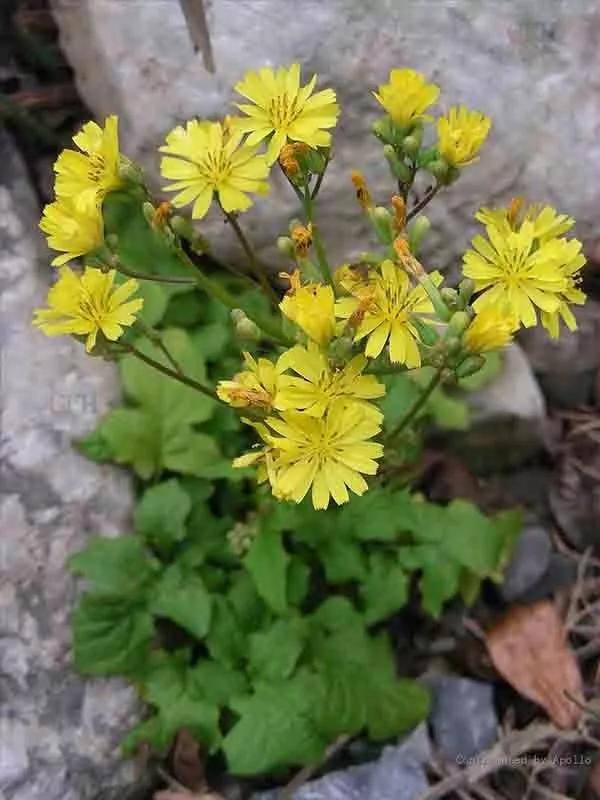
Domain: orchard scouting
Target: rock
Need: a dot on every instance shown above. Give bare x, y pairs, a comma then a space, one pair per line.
528, 564
561, 572
143, 66
60, 734
463, 717
507, 418
566, 367
398, 774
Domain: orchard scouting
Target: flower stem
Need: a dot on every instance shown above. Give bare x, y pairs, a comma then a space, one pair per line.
142, 276
317, 188
256, 268
307, 202
269, 327
428, 197
417, 405
171, 373
155, 337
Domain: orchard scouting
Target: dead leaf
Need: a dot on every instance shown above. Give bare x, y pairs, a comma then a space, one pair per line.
529, 649
188, 761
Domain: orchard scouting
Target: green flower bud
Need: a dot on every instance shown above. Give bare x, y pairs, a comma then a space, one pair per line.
286, 246
244, 328
439, 169
130, 172
340, 349
383, 223
427, 333
417, 232
465, 289
398, 167
410, 145
469, 366
450, 298
458, 322
149, 212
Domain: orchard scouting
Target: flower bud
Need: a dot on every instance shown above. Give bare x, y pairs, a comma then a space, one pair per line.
458, 322
427, 333
149, 212
450, 297
469, 366
243, 326
465, 289
384, 130
382, 222
302, 240
399, 206
398, 167
130, 172
362, 191
410, 145
439, 169
417, 232
340, 349
286, 246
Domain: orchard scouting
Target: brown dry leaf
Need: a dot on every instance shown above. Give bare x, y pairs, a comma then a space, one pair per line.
188, 761
529, 649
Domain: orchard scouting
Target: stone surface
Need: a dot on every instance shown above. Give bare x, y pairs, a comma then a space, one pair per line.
463, 718
59, 734
507, 417
398, 774
560, 573
566, 367
528, 564
532, 66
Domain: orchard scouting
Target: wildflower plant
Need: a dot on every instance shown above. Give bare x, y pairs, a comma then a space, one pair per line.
260, 406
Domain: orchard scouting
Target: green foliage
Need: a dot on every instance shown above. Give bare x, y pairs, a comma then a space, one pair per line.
271, 655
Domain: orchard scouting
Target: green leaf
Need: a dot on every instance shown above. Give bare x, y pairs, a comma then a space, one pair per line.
273, 653
267, 563
226, 640
384, 590
342, 559
133, 438
216, 682
111, 635
155, 297
212, 339
95, 447
275, 728
451, 413
119, 566
298, 581
161, 513
181, 703
182, 597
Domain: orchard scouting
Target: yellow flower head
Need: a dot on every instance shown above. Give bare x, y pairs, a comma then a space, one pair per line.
514, 267
460, 135
87, 304
407, 96
71, 230
491, 329
572, 261
255, 386
386, 306
330, 453
547, 222
311, 307
282, 109
316, 385
87, 174
205, 158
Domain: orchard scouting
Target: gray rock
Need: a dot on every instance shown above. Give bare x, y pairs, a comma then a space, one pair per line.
463, 717
60, 734
566, 367
398, 774
142, 65
528, 564
507, 418
561, 572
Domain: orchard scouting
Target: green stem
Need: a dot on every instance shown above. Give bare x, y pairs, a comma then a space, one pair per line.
220, 293
142, 276
307, 203
155, 337
171, 373
256, 268
416, 406
317, 188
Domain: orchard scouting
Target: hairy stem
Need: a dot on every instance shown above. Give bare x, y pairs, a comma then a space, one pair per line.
428, 197
155, 337
171, 373
142, 276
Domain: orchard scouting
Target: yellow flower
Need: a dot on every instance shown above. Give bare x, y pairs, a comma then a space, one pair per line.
382, 312
513, 267
407, 95
283, 109
311, 307
87, 304
573, 260
255, 386
491, 329
461, 133
547, 222
316, 385
205, 158
71, 230
330, 454
86, 176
